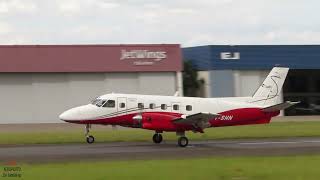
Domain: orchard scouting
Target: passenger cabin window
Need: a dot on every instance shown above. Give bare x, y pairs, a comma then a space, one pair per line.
189, 108
152, 105
163, 106
140, 105
110, 104
176, 107
122, 105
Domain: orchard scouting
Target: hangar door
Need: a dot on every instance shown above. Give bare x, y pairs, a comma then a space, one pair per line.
303, 85
41, 97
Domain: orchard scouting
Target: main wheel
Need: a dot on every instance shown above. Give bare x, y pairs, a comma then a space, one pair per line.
90, 139
183, 141
157, 138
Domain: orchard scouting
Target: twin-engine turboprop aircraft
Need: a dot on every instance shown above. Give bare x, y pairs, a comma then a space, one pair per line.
181, 114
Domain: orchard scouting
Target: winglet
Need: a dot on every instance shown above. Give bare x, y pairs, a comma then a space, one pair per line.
176, 94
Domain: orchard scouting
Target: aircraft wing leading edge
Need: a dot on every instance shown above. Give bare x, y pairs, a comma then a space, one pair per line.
198, 120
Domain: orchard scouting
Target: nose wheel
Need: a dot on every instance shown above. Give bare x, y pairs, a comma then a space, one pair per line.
157, 138
90, 138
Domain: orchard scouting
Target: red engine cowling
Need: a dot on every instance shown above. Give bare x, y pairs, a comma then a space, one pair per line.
159, 122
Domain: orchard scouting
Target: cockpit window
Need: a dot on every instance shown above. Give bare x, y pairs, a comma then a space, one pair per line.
94, 102
103, 103
110, 103
100, 103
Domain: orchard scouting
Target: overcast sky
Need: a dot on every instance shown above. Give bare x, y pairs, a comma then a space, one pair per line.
190, 23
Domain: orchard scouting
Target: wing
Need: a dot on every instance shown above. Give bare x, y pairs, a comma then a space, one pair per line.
198, 120
279, 107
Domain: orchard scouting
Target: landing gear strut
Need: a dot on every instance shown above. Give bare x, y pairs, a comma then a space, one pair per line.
183, 140
90, 139
157, 138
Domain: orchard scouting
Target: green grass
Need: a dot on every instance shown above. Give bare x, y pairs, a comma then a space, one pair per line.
277, 129
233, 168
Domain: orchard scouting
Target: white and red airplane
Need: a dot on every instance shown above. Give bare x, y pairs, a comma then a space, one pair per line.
180, 114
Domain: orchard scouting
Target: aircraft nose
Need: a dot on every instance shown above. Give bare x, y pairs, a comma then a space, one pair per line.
76, 114
66, 116
71, 114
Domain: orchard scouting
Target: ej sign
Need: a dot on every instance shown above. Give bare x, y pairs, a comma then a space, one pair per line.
230, 55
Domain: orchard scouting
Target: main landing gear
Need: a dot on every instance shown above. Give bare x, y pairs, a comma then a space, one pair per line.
157, 138
182, 140
90, 138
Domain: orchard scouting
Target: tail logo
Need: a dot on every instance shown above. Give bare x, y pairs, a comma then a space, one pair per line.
273, 92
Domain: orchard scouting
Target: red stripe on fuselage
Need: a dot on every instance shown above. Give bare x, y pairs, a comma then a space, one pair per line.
243, 116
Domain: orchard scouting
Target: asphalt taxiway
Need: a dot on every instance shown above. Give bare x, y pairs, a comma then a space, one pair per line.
166, 150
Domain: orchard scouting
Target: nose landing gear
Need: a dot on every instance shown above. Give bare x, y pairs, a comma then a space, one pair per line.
90, 138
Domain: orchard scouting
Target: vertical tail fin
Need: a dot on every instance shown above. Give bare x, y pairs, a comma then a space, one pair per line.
269, 91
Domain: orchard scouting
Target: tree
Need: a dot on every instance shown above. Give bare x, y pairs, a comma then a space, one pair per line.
191, 82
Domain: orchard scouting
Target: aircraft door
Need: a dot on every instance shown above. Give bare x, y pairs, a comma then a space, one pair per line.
122, 104
176, 107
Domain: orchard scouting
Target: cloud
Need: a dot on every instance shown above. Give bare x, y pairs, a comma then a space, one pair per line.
178, 21
70, 6
17, 6
298, 37
108, 5
78, 7
4, 28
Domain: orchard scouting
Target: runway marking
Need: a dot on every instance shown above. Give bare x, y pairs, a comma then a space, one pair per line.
280, 142
249, 143
315, 141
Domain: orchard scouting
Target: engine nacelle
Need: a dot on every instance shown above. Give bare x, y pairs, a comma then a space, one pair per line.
158, 121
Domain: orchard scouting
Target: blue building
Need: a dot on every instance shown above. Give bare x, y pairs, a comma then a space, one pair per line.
237, 70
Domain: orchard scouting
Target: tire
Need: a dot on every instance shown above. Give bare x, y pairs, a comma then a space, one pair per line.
157, 138
90, 139
183, 141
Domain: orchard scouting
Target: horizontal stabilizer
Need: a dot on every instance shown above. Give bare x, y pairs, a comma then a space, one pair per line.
279, 107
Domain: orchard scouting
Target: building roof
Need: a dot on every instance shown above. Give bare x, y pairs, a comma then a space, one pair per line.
253, 56
90, 58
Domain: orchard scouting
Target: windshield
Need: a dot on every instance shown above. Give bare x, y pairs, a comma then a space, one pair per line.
98, 102
104, 103
95, 101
